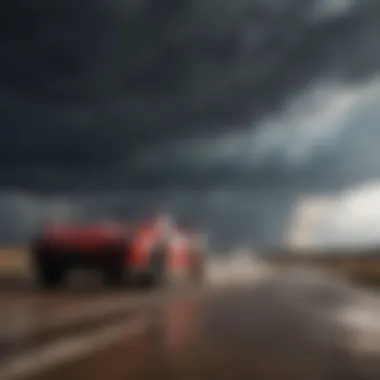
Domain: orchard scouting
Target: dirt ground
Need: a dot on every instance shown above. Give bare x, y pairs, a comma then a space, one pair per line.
14, 260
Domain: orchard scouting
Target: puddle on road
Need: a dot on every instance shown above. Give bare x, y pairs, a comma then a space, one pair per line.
286, 328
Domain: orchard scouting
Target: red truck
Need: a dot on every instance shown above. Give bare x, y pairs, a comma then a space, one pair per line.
150, 253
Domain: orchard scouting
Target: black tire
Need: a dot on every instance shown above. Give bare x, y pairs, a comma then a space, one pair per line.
144, 282
115, 272
50, 276
50, 272
157, 275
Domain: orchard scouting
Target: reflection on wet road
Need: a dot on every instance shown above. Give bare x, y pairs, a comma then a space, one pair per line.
154, 352
40, 331
296, 326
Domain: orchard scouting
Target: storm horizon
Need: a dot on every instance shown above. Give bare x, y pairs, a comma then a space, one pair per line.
229, 114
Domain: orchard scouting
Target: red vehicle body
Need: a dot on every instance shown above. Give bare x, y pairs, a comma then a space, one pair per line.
149, 253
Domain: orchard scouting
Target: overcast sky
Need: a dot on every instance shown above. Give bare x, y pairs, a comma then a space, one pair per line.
228, 112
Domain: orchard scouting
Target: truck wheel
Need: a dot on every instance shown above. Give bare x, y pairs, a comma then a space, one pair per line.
157, 274
50, 272
115, 273
50, 276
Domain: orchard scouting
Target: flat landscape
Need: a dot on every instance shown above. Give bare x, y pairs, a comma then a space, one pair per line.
91, 332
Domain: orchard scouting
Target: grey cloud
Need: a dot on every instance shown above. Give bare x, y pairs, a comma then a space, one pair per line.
108, 77
94, 92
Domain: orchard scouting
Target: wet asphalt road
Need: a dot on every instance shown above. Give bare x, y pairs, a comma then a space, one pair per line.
154, 353
31, 320
281, 329
173, 325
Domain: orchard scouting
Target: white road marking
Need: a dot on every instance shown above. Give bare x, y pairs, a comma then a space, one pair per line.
65, 350
75, 314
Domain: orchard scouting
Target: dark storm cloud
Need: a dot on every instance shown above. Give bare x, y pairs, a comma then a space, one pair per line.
94, 92
89, 82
